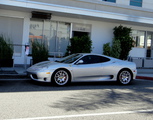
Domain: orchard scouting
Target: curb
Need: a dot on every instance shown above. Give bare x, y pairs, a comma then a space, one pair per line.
144, 77
24, 77
14, 77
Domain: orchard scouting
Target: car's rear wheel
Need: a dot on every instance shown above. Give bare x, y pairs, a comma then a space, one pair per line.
124, 77
61, 77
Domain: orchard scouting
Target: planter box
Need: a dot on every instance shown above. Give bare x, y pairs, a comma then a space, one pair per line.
6, 62
138, 62
148, 63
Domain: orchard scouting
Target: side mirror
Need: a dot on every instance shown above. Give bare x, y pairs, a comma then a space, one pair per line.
80, 62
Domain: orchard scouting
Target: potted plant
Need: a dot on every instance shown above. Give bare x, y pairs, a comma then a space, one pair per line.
39, 52
6, 52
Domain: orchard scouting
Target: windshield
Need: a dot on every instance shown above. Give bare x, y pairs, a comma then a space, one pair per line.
70, 59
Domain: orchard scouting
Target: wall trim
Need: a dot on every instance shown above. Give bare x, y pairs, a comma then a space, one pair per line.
76, 11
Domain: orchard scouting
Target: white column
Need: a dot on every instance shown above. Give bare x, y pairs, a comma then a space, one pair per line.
25, 40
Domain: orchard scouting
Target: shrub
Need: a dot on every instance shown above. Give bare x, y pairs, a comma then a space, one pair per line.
122, 43
107, 49
39, 52
79, 45
116, 49
6, 48
123, 35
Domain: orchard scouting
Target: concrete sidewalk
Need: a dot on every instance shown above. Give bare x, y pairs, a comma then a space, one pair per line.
13, 73
20, 71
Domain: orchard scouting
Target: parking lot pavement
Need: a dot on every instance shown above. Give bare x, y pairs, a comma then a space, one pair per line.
29, 100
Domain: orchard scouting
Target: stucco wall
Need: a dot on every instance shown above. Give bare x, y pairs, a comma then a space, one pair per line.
120, 7
101, 32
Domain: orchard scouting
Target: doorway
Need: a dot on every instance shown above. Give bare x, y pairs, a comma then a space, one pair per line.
80, 34
149, 44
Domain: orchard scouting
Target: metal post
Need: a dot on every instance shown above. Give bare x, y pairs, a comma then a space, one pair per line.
26, 54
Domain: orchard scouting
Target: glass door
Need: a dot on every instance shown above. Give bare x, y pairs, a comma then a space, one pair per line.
54, 34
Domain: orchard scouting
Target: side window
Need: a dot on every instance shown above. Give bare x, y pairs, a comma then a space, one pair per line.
99, 59
91, 59
104, 59
87, 59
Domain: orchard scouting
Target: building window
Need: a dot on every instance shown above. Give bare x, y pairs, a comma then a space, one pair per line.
136, 3
13, 28
55, 34
110, 0
139, 38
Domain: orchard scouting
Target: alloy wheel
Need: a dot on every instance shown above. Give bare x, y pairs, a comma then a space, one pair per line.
61, 77
125, 77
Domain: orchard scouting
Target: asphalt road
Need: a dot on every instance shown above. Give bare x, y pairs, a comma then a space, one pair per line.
29, 100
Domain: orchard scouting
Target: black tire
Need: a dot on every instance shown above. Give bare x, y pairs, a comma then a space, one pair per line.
61, 77
124, 77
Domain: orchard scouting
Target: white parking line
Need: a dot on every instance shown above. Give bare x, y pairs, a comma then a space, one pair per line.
85, 115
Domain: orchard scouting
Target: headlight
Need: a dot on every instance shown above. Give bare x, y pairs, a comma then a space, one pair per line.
36, 68
42, 68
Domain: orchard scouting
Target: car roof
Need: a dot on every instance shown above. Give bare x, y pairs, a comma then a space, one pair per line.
89, 53
92, 54
98, 55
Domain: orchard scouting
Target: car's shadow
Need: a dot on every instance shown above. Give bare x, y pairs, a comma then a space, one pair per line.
89, 95
29, 85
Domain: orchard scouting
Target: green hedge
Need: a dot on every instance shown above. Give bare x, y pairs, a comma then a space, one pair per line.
39, 52
122, 43
79, 45
6, 48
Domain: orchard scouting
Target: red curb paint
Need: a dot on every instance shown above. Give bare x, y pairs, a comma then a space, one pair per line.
143, 77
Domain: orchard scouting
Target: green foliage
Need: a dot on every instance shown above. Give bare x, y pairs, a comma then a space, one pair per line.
126, 46
79, 45
39, 52
107, 49
123, 35
116, 49
6, 48
122, 43
120, 32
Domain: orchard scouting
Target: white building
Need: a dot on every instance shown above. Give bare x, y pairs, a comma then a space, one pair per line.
96, 18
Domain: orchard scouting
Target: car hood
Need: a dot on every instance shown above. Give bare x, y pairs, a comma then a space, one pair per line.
46, 63
43, 65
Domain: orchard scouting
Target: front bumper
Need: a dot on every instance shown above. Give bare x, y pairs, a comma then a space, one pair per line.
40, 76
134, 74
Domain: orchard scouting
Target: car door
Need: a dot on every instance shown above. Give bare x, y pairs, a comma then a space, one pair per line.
89, 70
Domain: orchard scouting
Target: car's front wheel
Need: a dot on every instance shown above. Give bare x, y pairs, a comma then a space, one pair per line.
61, 77
124, 77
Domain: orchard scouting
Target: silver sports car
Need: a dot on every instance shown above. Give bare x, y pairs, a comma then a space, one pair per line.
83, 67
